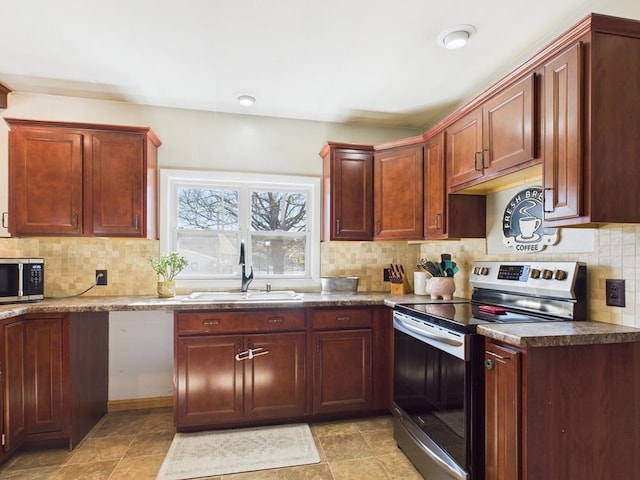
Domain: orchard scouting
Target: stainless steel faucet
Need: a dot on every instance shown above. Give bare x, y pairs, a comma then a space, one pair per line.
246, 279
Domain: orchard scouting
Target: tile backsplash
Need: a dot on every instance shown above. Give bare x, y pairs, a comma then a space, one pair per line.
71, 264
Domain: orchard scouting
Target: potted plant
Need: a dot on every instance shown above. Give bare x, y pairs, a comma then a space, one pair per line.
167, 267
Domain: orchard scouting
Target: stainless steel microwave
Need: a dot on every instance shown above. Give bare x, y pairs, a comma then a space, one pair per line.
21, 279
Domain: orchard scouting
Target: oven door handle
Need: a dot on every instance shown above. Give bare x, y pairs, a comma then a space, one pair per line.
433, 336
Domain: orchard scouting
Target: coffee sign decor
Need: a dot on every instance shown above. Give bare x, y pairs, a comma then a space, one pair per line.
522, 222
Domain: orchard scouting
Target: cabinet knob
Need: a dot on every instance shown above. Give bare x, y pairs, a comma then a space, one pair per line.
4, 219
488, 363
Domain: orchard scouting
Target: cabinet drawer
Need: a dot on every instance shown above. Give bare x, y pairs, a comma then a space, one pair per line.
343, 318
194, 323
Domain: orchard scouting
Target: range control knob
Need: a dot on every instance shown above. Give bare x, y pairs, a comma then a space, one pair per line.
535, 273
547, 274
560, 275
484, 270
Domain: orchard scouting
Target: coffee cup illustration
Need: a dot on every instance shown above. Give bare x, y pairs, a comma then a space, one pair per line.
528, 226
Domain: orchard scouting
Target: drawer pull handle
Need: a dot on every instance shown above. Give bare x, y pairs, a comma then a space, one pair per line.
275, 320
215, 321
343, 319
493, 354
250, 354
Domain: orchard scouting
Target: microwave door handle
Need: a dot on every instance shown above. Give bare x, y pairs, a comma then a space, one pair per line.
432, 336
20, 279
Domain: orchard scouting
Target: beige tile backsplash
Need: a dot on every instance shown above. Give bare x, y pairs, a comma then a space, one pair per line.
71, 264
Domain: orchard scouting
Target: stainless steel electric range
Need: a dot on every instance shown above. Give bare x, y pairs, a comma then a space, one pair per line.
438, 358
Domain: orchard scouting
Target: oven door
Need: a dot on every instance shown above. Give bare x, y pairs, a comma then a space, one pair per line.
438, 423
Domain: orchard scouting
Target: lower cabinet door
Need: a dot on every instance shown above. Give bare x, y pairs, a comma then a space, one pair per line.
502, 415
44, 369
274, 379
341, 371
209, 380
14, 383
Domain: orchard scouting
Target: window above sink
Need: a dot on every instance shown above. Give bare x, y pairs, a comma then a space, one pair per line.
205, 215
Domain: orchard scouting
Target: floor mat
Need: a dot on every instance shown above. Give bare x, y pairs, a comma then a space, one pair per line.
204, 454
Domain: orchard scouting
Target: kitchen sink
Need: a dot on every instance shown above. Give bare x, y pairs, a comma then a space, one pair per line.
244, 297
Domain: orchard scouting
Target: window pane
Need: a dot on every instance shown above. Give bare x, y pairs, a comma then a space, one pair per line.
209, 254
278, 211
278, 254
207, 209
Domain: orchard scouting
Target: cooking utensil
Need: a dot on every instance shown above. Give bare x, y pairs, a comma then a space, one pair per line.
431, 268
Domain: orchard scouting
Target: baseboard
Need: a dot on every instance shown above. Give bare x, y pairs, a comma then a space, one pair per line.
139, 403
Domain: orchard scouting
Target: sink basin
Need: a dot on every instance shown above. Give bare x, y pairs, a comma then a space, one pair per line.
244, 297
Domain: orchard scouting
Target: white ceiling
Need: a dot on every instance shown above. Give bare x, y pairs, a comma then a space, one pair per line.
360, 61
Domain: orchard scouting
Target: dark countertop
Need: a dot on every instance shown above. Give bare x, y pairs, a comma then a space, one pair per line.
518, 334
148, 303
552, 334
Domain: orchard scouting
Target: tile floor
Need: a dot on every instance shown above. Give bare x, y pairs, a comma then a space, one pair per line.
132, 445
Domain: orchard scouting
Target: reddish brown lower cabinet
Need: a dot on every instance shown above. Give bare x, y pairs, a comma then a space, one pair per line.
257, 373
566, 411
264, 366
54, 378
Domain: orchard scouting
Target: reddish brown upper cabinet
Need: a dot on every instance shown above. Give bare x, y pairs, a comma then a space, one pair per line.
82, 179
493, 139
398, 202
591, 141
448, 215
347, 191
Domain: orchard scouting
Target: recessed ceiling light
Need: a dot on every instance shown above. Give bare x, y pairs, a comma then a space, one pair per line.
245, 99
455, 37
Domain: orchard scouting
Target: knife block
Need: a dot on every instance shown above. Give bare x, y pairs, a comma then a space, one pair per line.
399, 288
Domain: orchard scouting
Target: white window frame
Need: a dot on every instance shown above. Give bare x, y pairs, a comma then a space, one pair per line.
171, 179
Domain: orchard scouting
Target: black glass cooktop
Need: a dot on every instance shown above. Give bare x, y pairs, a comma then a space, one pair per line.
464, 316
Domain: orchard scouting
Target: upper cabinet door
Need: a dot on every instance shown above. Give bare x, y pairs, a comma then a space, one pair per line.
398, 193
508, 126
117, 184
347, 192
434, 187
45, 182
464, 149
563, 160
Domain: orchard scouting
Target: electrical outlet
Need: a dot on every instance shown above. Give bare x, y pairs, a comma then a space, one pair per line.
101, 277
386, 272
615, 293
